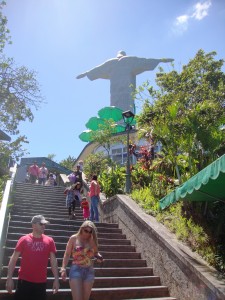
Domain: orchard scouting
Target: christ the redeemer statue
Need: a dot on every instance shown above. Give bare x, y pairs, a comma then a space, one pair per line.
122, 71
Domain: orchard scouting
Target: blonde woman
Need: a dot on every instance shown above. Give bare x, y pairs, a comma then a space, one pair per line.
83, 247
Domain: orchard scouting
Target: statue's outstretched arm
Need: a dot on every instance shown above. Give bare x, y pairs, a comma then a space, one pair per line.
81, 75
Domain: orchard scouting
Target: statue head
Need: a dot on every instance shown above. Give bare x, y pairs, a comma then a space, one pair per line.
121, 53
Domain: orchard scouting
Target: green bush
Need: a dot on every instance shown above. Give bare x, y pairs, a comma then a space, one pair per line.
112, 181
186, 229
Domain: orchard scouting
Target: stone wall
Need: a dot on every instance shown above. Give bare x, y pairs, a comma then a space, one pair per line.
187, 276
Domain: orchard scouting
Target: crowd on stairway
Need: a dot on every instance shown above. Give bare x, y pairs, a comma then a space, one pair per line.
40, 175
36, 248
75, 195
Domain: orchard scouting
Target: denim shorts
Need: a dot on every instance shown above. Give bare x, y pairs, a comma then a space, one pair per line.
84, 273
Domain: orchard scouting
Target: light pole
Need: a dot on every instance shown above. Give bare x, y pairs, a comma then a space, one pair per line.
128, 117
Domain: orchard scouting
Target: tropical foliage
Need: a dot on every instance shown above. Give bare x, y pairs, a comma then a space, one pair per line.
186, 113
112, 181
68, 163
19, 95
95, 164
105, 135
185, 116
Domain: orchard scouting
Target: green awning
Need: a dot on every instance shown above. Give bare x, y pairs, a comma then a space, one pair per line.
207, 185
94, 122
111, 112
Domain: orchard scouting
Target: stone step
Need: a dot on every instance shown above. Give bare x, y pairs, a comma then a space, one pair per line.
60, 222
71, 227
47, 207
40, 195
40, 192
46, 213
35, 201
64, 239
67, 233
105, 254
104, 272
62, 246
119, 263
104, 282
107, 263
26, 186
117, 293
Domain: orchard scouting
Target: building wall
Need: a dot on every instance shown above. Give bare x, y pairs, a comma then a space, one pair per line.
118, 151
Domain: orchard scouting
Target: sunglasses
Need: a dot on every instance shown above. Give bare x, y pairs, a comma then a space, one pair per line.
88, 231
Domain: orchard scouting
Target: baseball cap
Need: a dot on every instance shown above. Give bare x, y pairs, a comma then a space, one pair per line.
39, 219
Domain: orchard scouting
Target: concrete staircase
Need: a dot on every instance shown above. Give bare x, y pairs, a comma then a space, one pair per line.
122, 275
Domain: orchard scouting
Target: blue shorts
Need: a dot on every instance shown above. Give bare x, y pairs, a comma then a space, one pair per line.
84, 273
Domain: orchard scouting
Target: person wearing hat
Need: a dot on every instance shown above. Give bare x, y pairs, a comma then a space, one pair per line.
34, 249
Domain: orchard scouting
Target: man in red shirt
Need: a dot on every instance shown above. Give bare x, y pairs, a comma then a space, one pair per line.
33, 172
35, 249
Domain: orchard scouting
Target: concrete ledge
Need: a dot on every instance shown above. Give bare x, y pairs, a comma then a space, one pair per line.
187, 276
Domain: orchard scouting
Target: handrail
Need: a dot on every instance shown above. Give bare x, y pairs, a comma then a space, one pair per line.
5, 213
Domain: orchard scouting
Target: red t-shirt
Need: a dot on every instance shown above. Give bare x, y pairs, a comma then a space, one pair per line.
34, 170
34, 257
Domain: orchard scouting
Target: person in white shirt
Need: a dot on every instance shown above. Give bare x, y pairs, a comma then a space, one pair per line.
42, 174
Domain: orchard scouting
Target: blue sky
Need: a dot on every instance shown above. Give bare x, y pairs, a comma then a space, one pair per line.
60, 39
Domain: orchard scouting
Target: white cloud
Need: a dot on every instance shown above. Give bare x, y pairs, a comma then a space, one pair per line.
197, 12
182, 20
181, 24
201, 10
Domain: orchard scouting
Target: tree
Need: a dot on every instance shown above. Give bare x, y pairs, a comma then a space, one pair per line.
51, 156
11, 151
69, 162
95, 164
188, 110
105, 136
19, 94
4, 32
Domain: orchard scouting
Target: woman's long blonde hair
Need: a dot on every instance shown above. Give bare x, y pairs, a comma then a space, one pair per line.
94, 230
